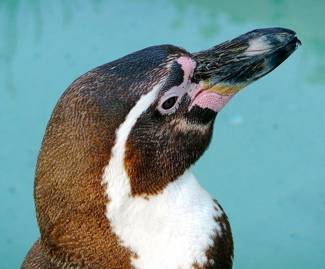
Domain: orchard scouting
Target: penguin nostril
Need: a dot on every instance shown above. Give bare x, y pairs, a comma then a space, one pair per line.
169, 103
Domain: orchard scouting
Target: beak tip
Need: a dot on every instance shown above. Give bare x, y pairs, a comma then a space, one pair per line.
299, 42
271, 39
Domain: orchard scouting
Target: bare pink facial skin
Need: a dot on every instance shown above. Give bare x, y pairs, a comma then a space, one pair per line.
200, 96
206, 99
188, 66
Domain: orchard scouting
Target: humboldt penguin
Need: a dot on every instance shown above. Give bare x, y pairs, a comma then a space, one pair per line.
113, 186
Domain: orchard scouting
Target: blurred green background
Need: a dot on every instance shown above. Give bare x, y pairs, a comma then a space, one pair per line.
266, 164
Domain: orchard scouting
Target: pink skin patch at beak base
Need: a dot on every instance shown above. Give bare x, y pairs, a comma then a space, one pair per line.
188, 66
208, 99
211, 100
200, 96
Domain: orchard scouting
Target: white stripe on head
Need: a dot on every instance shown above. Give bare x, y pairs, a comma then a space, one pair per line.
115, 176
170, 230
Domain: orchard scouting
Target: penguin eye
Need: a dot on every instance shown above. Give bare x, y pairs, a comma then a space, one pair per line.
169, 103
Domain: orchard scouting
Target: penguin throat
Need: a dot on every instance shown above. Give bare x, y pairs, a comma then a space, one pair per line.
172, 229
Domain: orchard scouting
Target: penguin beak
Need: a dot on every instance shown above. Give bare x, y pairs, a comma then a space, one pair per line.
226, 68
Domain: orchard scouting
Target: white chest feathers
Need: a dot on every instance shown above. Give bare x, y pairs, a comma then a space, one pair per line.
172, 230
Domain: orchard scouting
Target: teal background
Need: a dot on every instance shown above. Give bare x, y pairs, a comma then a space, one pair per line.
266, 164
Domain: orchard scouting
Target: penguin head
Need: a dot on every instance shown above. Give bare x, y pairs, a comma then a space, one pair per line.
176, 128
167, 99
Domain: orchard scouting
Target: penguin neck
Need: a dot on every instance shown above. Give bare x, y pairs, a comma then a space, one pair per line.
168, 224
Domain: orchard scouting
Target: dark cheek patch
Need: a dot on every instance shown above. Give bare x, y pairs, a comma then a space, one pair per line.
157, 154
